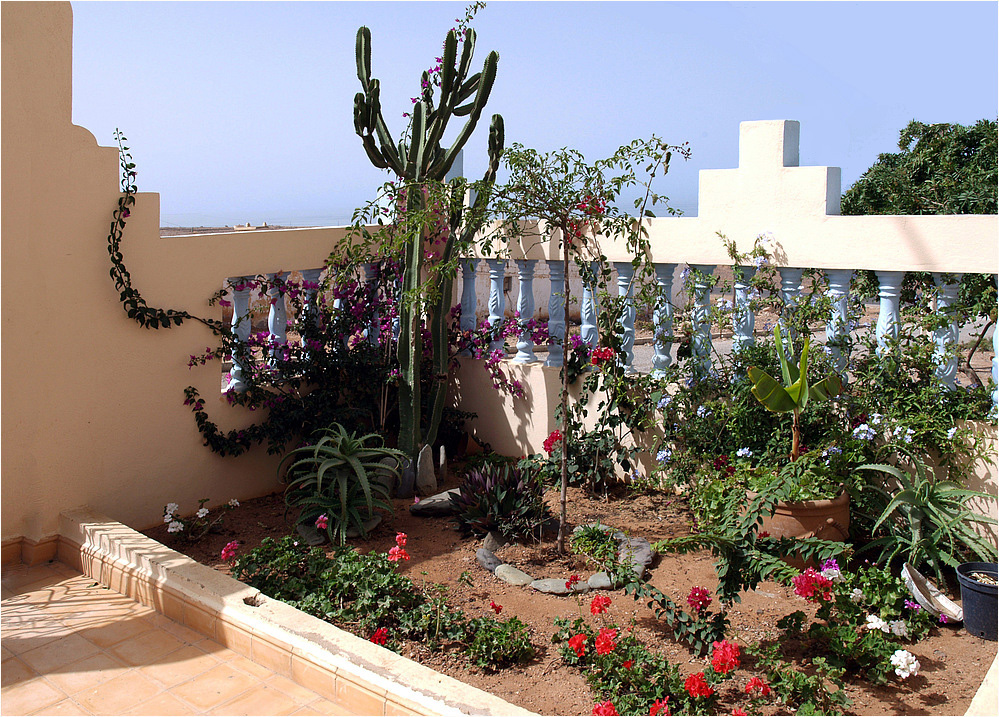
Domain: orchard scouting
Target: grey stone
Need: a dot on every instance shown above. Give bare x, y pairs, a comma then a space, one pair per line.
407, 481
369, 525
487, 560
637, 552
434, 506
310, 534
513, 576
442, 467
600, 581
556, 586
426, 481
493, 541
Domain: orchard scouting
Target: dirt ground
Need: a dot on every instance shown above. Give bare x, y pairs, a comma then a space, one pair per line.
953, 662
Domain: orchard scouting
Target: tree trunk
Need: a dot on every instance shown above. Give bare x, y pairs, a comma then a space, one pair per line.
563, 511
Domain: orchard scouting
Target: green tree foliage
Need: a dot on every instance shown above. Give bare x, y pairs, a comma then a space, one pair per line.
941, 169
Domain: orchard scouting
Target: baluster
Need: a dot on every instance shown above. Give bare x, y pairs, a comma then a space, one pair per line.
946, 337
372, 272
838, 326
525, 307
662, 319
743, 316
700, 344
241, 322
588, 312
889, 288
556, 312
277, 322
468, 302
310, 307
790, 291
625, 274
497, 268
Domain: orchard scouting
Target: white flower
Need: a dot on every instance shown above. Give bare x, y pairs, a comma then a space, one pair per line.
760, 262
905, 664
665, 401
202, 512
857, 596
951, 432
233, 503
876, 623
898, 628
171, 509
664, 455
876, 419
703, 411
863, 432
744, 453
833, 574
175, 527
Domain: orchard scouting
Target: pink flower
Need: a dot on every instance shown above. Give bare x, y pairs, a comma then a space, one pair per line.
400, 539
601, 354
605, 643
812, 586
600, 604
659, 708
739, 711
604, 708
698, 599
396, 553
496, 608
578, 643
553, 438
322, 521
725, 656
697, 686
229, 551
380, 636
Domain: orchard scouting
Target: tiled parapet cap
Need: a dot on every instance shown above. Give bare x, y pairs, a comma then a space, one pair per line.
268, 631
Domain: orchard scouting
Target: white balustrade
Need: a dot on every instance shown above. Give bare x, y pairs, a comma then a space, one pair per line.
588, 312
946, 337
241, 322
889, 290
662, 319
468, 301
310, 308
625, 291
838, 326
700, 342
556, 312
525, 309
277, 322
743, 316
371, 274
790, 291
497, 269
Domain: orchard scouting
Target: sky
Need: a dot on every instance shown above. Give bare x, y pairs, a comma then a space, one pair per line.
242, 112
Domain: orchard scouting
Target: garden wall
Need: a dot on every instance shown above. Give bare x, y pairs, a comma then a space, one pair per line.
93, 404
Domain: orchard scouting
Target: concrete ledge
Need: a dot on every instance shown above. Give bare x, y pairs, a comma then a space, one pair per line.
986, 700
359, 675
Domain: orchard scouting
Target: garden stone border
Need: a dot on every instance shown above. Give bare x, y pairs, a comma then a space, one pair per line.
638, 550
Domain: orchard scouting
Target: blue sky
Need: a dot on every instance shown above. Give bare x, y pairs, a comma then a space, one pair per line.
242, 111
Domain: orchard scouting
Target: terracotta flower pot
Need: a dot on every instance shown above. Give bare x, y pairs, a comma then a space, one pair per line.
825, 519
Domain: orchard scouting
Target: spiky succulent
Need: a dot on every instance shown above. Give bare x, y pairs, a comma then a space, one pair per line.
500, 498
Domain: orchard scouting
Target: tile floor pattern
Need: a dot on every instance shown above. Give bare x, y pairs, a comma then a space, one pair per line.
72, 647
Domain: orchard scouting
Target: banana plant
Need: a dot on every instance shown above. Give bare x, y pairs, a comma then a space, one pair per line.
793, 396
418, 159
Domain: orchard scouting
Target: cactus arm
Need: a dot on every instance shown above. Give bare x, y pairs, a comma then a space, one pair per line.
440, 360
466, 55
362, 56
418, 142
447, 65
481, 97
372, 151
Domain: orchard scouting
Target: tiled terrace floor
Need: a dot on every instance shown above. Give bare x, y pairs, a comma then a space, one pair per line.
72, 647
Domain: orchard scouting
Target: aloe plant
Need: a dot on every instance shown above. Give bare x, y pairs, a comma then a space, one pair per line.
335, 477
793, 396
419, 158
927, 518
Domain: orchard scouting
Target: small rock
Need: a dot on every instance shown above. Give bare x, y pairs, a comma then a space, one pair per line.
426, 481
556, 586
513, 576
600, 581
493, 541
407, 481
638, 552
435, 506
487, 560
310, 534
369, 525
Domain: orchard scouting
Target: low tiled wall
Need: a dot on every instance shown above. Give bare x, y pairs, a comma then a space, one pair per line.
360, 676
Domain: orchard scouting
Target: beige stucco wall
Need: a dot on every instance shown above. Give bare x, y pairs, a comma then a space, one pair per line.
92, 406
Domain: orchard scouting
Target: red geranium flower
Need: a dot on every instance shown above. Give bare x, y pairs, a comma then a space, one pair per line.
396, 553
497, 608
400, 539
812, 586
738, 711
380, 636
659, 708
578, 643
571, 582
697, 686
600, 604
628, 664
604, 708
757, 685
605, 641
553, 438
725, 657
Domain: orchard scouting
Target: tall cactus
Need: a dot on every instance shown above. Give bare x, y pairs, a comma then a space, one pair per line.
417, 159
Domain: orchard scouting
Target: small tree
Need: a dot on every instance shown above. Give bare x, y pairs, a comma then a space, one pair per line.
576, 204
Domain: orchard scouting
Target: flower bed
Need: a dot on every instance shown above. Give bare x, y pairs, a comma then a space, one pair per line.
952, 663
